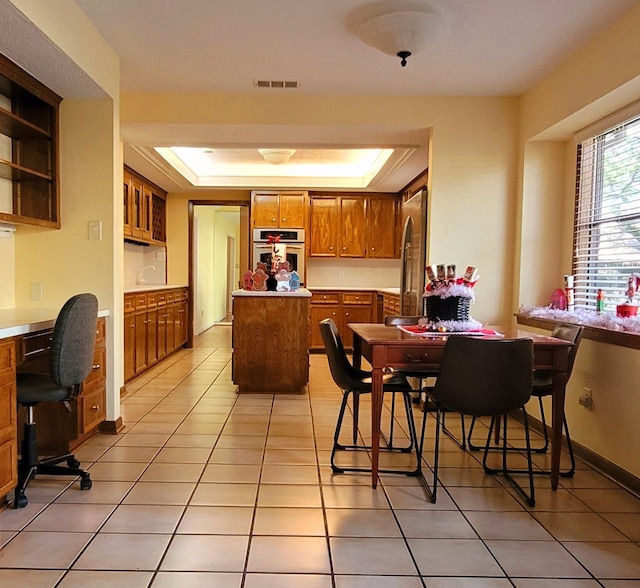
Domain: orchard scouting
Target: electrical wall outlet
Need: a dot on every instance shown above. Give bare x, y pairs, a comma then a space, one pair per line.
586, 398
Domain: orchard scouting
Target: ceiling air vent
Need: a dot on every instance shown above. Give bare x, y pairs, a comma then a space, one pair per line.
277, 84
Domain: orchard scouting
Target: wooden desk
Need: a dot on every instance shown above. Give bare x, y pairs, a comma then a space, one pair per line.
390, 347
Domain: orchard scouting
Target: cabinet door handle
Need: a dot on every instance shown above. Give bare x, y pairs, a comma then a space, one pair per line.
344, 248
284, 220
331, 248
373, 249
273, 220
95, 407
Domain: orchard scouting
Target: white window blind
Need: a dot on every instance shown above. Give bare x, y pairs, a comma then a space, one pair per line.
607, 215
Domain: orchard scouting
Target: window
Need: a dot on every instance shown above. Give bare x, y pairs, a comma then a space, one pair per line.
607, 215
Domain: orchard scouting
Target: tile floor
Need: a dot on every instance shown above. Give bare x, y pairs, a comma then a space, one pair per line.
208, 488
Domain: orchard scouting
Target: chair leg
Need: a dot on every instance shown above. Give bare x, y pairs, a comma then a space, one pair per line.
356, 416
495, 422
572, 470
336, 434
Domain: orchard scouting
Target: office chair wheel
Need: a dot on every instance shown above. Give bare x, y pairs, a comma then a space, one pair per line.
20, 501
73, 463
85, 483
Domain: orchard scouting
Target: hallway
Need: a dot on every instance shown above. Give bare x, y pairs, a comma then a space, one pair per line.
206, 488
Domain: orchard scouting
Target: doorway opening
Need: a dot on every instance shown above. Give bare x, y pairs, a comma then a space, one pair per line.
219, 242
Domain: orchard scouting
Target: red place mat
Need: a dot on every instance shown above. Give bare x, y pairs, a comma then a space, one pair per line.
420, 330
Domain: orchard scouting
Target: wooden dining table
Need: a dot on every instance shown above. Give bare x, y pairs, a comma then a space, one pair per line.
391, 347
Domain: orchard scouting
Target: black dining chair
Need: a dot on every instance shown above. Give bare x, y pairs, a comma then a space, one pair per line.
355, 382
484, 378
420, 374
71, 360
543, 387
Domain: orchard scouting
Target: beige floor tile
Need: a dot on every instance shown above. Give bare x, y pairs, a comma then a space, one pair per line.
496, 499
627, 523
565, 583
435, 524
130, 454
579, 526
43, 550
123, 551
373, 556
183, 455
175, 493
216, 520
454, 557
236, 455
240, 442
507, 525
289, 474
243, 473
197, 580
415, 497
287, 581
206, 441
30, 578
143, 518
378, 582
199, 429
557, 501
289, 521
206, 553
289, 495
152, 428
172, 472
113, 471
142, 439
299, 555
354, 497
100, 493
71, 517
609, 500
290, 457
214, 494
346, 522
608, 560
470, 582
551, 559
44, 489
275, 442
104, 579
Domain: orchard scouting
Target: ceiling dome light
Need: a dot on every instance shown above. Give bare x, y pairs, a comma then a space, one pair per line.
276, 156
398, 28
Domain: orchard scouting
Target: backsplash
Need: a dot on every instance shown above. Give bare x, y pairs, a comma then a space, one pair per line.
356, 273
153, 260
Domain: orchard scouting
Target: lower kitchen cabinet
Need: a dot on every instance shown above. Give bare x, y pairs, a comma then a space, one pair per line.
8, 417
344, 307
155, 325
390, 305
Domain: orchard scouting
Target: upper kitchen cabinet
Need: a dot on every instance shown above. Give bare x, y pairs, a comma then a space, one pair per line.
283, 210
359, 226
144, 210
28, 149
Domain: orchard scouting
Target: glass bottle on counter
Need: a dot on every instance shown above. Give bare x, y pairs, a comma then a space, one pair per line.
599, 301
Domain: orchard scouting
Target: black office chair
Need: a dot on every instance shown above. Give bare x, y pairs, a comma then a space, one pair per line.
71, 359
543, 386
420, 375
484, 377
355, 382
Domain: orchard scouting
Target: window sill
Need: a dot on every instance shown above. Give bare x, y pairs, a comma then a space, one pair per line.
620, 338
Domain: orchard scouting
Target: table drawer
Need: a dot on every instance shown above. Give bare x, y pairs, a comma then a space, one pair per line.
357, 298
416, 358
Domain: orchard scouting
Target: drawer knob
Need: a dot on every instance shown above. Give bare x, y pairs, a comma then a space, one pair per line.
331, 248
95, 407
97, 366
411, 359
284, 220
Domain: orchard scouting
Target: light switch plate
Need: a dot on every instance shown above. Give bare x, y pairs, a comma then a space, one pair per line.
95, 230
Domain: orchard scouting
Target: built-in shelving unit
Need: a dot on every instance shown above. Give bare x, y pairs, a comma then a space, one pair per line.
28, 148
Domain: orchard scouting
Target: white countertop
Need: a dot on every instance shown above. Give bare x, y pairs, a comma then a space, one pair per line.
150, 287
301, 293
18, 321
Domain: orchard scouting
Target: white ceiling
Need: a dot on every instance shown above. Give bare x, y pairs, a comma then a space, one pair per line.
491, 47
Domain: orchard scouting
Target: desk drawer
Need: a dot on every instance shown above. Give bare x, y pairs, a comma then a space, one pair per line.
416, 358
325, 298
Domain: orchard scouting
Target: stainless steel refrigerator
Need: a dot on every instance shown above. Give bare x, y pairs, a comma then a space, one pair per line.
414, 244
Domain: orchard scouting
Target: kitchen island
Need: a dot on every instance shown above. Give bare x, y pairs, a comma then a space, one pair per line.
270, 340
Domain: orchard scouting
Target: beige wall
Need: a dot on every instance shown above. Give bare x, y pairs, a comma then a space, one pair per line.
590, 84
473, 179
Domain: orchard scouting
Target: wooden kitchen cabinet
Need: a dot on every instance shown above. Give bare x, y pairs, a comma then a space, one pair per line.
155, 325
284, 210
8, 417
390, 305
29, 124
353, 226
144, 210
343, 307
